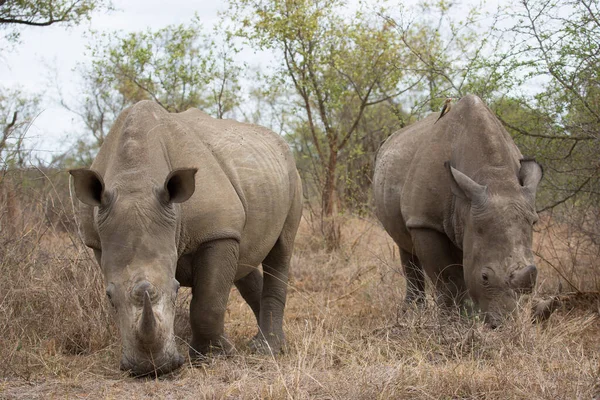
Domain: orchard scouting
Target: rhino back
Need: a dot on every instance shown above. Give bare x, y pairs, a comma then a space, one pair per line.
260, 169
412, 188
392, 167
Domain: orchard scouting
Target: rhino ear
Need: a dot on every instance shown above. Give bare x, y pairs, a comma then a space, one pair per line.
180, 184
530, 174
464, 187
89, 186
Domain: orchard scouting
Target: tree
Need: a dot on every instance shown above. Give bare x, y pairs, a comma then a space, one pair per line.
338, 65
357, 163
17, 112
20, 13
178, 66
559, 120
451, 51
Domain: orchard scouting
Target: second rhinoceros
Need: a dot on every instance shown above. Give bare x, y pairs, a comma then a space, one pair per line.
458, 198
188, 199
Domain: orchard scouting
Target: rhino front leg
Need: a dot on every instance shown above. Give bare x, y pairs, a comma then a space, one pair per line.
214, 269
443, 265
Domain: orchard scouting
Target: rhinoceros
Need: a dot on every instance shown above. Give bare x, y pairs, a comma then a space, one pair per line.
458, 199
186, 199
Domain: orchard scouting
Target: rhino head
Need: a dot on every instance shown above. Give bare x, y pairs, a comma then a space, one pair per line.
138, 223
497, 230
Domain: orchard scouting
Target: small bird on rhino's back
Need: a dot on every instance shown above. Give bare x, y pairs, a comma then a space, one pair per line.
445, 108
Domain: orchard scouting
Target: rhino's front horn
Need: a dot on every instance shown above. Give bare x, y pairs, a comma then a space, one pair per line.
148, 325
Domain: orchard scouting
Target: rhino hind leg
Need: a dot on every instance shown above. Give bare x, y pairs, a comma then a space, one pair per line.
442, 264
272, 303
270, 338
415, 278
250, 287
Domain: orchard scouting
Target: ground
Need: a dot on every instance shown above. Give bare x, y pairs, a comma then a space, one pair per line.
349, 335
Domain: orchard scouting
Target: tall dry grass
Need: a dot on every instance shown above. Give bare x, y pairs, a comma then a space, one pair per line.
349, 336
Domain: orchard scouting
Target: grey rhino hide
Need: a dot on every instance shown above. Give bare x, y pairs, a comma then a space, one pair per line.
186, 199
458, 198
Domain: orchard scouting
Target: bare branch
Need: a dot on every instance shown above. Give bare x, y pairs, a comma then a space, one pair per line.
563, 200
542, 136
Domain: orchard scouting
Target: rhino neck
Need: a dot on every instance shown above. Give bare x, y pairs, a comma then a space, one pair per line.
454, 224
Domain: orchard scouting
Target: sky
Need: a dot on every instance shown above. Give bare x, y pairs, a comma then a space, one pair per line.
46, 57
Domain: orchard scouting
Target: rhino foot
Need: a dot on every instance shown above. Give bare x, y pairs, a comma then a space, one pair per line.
202, 352
260, 345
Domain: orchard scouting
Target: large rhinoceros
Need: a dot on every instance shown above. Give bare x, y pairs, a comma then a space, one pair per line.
458, 198
188, 199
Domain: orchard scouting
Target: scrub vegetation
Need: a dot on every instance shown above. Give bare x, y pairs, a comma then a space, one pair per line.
341, 77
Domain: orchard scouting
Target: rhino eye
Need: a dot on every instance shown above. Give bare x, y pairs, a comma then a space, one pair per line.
485, 278
110, 299
109, 295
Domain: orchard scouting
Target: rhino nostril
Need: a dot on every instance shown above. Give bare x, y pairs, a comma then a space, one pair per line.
531, 275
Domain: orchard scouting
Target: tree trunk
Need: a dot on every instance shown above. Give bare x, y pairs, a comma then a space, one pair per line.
329, 188
331, 229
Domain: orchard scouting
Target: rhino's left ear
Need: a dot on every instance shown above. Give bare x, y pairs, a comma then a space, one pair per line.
466, 188
89, 186
180, 184
530, 174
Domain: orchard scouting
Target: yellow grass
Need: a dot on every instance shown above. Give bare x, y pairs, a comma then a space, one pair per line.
349, 336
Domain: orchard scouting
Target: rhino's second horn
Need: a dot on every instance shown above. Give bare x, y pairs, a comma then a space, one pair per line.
525, 278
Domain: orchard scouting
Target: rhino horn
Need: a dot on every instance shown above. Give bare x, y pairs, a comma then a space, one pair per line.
148, 325
525, 278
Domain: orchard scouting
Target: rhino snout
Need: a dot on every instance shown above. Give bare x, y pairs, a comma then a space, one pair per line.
523, 280
152, 366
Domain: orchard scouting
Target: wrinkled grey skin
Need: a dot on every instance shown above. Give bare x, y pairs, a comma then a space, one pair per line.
458, 199
187, 199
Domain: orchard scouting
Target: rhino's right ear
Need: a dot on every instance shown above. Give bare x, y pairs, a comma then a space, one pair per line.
180, 184
89, 186
466, 188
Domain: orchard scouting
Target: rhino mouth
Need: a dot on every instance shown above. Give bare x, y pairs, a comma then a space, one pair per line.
151, 367
151, 351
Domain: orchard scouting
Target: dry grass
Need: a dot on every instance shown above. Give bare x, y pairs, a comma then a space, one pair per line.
348, 336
